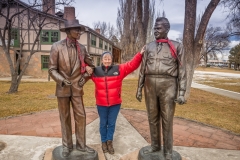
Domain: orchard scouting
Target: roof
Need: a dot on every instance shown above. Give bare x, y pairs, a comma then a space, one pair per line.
56, 16
101, 36
25, 5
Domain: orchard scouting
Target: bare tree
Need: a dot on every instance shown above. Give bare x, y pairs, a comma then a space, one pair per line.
102, 26
193, 40
234, 15
127, 28
133, 25
215, 41
152, 17
142, 20
107, 30
25, 17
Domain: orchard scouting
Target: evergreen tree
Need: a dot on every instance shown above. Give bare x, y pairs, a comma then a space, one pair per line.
234, 57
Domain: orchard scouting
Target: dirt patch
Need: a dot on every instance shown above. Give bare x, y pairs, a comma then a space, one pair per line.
2, 145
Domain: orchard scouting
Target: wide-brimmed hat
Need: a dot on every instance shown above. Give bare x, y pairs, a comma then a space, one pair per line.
72, 24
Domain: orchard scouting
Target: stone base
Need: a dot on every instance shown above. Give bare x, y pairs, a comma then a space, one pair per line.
74, 155
159, 155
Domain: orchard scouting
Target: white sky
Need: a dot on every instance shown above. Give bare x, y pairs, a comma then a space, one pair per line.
90, 11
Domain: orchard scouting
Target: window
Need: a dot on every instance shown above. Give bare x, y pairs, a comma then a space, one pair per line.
15, 37
44, 61
106, 46
100, 43
110, 48
49, 37
93, 40
98, 61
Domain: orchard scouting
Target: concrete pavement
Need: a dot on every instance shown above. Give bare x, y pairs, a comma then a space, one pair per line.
216, 74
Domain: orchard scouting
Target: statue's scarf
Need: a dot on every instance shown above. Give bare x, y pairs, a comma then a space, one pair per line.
172, 48
81, 57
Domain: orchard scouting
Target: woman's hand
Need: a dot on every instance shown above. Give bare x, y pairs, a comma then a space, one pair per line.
143, 49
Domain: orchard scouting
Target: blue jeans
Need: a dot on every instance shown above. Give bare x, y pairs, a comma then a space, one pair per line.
108, 117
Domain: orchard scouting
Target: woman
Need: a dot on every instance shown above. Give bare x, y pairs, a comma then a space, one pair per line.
108, 84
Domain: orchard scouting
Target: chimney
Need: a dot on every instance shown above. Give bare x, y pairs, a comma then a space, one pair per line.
98, 30
48, 6
69, 13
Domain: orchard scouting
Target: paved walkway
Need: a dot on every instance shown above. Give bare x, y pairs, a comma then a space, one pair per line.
219, 91
186, 133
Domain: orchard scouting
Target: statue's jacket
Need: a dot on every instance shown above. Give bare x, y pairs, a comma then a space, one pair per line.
108, 81
157, 61
59, 69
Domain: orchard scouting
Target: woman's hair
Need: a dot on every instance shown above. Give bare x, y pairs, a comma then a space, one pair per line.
104, 53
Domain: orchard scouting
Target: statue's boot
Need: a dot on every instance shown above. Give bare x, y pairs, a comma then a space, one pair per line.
151, 150
66, 151
168, 156
86, 149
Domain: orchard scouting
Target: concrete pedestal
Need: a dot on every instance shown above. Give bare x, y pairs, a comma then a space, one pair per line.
159, 155
74, 155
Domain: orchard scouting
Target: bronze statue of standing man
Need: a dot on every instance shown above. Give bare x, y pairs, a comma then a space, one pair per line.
67, 64
163, 77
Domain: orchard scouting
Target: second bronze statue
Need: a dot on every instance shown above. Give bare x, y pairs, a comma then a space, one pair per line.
163, 77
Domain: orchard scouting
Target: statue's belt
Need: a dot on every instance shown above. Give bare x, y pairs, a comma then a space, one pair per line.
159, 76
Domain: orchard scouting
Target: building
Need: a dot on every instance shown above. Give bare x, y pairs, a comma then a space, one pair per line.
94, 42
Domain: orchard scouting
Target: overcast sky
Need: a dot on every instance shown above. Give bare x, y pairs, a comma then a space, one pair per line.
90, 11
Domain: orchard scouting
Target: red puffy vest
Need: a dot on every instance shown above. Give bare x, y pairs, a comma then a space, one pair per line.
108, 81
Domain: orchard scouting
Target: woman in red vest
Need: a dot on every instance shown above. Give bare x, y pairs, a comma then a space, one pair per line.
108, 85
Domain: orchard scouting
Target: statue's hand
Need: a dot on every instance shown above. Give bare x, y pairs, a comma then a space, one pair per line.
139, 96
89, 70
180, 100
82, 81
67, 82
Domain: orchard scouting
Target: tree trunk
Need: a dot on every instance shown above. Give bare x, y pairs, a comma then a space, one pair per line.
193, 44
142, 21
14, 84
188, 40
206, 59
16, 79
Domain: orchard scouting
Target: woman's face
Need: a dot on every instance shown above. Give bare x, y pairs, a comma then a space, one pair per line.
107, 60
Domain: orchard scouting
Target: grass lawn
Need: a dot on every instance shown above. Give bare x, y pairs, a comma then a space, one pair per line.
202, 106
217, 69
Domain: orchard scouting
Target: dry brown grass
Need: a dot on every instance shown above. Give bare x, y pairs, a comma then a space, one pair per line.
217, 69
212, 109
201, 106
32, 97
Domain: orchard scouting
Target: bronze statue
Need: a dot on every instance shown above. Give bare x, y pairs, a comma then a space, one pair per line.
163, 77
67, 62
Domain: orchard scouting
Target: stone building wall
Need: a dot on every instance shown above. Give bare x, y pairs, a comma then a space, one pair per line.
4, 66
35, 66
